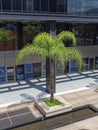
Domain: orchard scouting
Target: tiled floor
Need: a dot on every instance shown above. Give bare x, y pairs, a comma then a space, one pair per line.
78, 89
88, 124
78, 99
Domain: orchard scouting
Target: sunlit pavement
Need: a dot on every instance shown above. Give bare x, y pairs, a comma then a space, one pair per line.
87, 124
24, 91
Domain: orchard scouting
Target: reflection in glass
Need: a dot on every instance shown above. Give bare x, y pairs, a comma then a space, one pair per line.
70, 7
24, 5
17, 5
6, 5
52, 5
37, 69
60, 5
44, 5
36, 5
88, 7
30, 5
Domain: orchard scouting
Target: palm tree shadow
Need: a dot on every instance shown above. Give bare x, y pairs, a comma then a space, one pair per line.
27, 97
37, 85
29, 84
30, 97
41, 95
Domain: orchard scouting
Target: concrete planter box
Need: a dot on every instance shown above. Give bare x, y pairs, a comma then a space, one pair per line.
54, 110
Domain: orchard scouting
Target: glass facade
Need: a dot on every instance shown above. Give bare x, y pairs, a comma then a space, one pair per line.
82, 7
61, 6
45, 5
69, 7
16, 5
86, 34
6, 6
36, 5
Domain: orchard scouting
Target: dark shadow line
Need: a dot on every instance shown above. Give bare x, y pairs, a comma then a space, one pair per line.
28, 87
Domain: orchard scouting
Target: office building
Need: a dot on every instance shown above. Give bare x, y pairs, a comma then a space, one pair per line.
54, 16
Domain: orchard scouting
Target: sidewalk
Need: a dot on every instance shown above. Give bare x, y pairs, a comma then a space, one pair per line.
24, 91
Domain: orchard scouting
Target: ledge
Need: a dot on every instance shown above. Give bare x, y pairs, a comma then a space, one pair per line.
47, 111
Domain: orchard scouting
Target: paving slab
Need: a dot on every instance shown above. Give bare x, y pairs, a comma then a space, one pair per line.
24, 91
88, 124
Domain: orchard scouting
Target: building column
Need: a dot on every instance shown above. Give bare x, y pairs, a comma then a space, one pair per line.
50, 27
68, 26
19, 35
95, 35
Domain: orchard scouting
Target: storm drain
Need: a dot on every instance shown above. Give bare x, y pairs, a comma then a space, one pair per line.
16, 117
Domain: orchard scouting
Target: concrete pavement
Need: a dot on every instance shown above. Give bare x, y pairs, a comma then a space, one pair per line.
24, 91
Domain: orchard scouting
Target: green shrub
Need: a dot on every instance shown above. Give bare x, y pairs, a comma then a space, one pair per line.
54, 103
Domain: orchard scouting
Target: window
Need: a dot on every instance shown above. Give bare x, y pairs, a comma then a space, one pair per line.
36, 5
52, 5
6, 5
37, 69
84, 7
30, 5
17, 5
44, 5
24, 5
60, 5
0, 5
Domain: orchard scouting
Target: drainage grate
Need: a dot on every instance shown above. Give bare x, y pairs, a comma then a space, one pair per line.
19, 111
5, 123
22, 119
16, 117
3, 115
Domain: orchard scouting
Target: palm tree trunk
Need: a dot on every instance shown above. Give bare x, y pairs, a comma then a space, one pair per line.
52, 79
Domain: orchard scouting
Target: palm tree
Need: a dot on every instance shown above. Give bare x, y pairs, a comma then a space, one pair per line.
32, 29
53, 48
6, 36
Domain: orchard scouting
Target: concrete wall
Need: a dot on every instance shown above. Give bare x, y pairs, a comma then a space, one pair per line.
89, 51
7, 58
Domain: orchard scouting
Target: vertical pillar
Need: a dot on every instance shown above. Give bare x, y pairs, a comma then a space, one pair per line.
95, 35
68, 26
50, 28
20, 35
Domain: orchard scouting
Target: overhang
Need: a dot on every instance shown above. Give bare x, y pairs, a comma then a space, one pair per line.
11, 16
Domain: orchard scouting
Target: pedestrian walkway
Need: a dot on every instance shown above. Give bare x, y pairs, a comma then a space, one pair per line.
25, 91
78, 99
81, 98
87, 124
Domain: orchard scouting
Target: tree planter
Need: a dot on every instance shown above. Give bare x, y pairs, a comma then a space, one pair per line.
47, 111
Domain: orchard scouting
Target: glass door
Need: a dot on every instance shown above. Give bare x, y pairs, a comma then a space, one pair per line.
10, 74
91, 63
30, 5
85, 64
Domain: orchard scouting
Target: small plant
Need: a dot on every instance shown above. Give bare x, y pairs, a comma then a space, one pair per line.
54, 103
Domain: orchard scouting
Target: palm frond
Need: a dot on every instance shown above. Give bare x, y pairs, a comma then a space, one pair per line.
74, 53
30, 49
44, 44
67, 36
43, 40
6, 36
